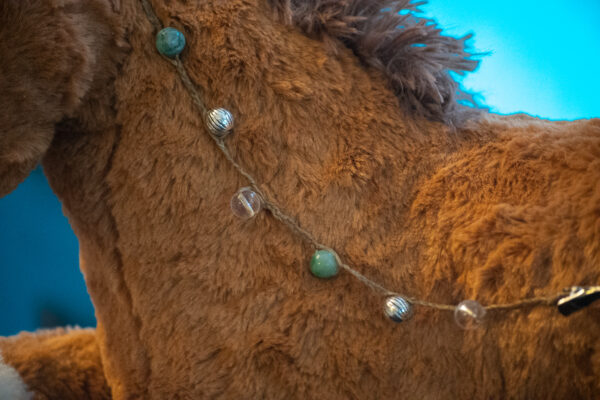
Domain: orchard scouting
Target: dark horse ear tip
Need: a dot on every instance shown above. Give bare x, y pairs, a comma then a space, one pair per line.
13, 174
578, 298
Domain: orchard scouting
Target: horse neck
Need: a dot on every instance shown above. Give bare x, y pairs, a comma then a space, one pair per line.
147, 190
309, 119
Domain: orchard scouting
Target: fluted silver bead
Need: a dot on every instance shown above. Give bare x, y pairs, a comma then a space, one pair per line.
219, 122
397, 309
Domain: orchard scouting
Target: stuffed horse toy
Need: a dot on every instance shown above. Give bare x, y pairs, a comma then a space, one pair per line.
374, 215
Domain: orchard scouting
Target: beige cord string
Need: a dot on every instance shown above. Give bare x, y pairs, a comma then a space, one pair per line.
293, 225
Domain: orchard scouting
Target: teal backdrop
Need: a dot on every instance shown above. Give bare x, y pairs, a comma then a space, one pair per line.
544, 59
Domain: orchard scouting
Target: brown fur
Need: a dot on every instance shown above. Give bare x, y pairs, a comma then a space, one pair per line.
42, 83
60, 364
193, 303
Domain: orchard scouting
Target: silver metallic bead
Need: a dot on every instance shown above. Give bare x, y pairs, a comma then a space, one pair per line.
219, 122
397, 309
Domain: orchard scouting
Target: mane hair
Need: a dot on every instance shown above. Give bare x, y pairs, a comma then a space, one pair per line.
408, 49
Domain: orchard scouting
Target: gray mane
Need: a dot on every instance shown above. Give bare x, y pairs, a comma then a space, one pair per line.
409, 50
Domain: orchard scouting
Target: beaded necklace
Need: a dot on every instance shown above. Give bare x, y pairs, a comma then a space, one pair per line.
325, 263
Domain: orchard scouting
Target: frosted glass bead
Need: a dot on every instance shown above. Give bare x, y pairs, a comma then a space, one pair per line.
245, 203
397, 308
323, 264
170, 42
469, 314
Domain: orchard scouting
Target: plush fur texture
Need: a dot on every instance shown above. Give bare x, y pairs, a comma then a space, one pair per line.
12, 386
193, 303
60, 364
43, 84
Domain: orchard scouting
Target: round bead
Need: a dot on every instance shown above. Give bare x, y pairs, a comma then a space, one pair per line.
323, 264
219, 122
245, 203
397, 309
170, 42
469, 314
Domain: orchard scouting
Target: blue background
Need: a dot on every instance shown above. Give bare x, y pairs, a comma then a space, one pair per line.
544, 58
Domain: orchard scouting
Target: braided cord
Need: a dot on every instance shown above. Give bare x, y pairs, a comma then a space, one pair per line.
295, 227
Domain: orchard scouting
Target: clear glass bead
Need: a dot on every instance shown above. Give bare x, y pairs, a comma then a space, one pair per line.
469, 314
245, 203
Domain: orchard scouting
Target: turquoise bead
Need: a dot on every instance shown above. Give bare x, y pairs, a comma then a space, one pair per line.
323, 264
170, 42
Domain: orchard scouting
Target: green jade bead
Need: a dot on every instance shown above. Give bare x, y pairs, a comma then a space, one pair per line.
170, 42
323, 264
